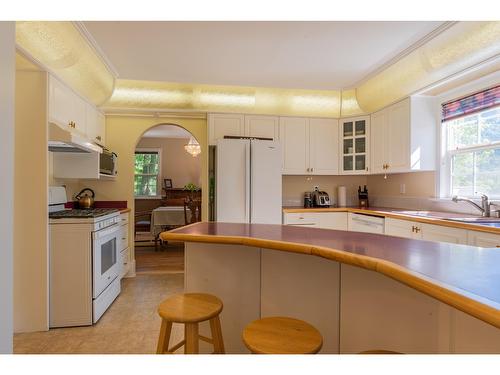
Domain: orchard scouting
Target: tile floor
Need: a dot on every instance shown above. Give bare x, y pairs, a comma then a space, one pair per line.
131, 325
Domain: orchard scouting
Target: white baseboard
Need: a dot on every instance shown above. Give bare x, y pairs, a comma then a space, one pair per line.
131, 271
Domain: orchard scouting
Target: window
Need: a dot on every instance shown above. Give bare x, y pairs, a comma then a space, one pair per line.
147, 173
472, 144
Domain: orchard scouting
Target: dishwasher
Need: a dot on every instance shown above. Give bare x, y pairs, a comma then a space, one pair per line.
366, 223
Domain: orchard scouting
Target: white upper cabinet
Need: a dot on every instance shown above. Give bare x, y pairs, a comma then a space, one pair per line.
66, 109
403, 137
310, 145
323, 146
73, 113
220, 125
95, 125
262, 126
354, 135
294, 137
238, 125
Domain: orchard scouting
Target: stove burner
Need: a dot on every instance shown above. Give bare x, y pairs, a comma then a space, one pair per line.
78, 213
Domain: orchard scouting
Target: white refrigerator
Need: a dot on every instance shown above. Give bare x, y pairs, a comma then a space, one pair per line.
248, 181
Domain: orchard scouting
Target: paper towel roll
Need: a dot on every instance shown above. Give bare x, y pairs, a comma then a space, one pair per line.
341, 196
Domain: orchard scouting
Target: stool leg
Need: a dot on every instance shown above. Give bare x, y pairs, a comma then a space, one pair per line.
217, 335
164, 339
191, 337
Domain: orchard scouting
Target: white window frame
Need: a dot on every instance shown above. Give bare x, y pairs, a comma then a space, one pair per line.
160, 177
443, 177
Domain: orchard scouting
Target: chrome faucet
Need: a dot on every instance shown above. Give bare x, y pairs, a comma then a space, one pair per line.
485, 204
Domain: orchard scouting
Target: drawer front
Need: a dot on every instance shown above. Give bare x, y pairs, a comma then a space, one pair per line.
125, 259
124, 218
483, 239
306, 218
123, 238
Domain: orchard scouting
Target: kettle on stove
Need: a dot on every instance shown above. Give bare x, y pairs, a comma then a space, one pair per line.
84, 199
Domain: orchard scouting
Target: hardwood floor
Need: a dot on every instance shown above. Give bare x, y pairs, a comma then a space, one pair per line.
131, 325
169, 260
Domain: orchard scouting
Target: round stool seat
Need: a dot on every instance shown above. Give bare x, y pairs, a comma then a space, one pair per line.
281, 335
190, 307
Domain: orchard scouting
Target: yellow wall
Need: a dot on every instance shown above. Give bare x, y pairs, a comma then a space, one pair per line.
30, 203
176, 163
417, 184
122, 135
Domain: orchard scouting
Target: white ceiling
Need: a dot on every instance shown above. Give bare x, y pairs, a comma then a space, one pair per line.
167, 131
309, 55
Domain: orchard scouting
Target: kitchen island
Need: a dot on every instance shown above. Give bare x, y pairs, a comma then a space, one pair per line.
362, 291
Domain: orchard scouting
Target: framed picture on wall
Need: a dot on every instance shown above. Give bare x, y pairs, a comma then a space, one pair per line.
168, 183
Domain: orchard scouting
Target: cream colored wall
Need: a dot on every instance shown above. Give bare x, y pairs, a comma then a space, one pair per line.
30, 203
417, 184
7, 130
176, 163
122, 135
295, 186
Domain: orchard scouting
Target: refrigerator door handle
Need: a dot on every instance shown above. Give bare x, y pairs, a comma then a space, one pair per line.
247, 182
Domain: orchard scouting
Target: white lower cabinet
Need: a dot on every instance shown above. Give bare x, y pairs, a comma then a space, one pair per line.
125, 261
482, 239
123, 244
438, 233
397, 228
332, 220
402, 228
428, 232
325, 220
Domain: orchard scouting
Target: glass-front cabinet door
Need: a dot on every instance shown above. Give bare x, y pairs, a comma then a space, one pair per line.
354, 136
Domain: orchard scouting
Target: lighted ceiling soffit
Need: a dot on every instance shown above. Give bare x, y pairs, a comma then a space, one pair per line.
61, 48
162, 95
460, 47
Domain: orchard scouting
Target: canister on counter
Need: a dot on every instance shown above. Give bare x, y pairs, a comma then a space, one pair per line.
307, 199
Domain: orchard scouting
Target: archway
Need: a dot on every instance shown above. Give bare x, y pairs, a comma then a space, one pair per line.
167, 194
123, 132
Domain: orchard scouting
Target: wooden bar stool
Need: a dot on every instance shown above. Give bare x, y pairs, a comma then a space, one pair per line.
190, 309
281, 335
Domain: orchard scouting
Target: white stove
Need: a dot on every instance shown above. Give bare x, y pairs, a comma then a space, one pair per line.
84, 261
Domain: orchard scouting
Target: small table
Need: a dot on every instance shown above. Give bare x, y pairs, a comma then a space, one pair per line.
167, 216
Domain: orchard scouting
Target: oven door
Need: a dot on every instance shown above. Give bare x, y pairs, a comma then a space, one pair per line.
106, 265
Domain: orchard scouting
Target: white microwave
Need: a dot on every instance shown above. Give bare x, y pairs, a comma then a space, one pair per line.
108, 163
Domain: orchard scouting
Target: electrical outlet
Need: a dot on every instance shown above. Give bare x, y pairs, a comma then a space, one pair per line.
402, 188
315, 187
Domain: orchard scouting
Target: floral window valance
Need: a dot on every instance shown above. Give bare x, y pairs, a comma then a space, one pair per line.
471, 104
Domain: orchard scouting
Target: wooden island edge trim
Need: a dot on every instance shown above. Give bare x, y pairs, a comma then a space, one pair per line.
462, 300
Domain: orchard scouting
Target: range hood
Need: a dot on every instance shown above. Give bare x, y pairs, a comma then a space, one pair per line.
61, 140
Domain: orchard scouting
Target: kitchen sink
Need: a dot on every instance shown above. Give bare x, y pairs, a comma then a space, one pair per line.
480, 220
486, 221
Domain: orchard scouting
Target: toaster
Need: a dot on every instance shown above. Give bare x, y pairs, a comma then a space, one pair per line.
320, 199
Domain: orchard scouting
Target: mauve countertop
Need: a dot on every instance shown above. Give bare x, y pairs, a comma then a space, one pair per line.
470, 273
